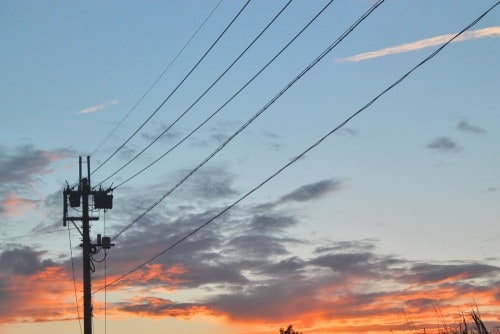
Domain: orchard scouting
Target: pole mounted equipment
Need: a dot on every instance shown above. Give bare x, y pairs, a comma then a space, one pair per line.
76, 198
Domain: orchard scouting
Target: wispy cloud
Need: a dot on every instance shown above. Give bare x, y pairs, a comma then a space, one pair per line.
467, 127
444, 144
98, 107
424, 43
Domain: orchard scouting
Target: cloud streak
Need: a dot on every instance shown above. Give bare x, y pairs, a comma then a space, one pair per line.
424, 43
467, 127
98, 107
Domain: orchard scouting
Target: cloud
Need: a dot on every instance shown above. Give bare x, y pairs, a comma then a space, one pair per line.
23, 272
12, 205
21, 169
347, 131
444, 144
438, 273
467, 127
22, 261
312, 191
20, 165
169, 135
159, 307
98, 107
245, 266
424, 43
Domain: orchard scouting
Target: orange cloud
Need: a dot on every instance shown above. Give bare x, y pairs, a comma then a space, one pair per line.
46, 295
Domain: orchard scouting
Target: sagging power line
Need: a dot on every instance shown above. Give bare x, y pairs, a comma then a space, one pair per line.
308, 149
158, 78
254, 117
201, 96
174, 90
290, 42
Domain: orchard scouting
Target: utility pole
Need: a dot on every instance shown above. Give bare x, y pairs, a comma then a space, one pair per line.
102, 199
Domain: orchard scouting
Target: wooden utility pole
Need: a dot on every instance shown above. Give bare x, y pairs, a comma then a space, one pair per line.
101, 200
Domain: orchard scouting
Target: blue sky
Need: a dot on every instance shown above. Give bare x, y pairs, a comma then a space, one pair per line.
399, 204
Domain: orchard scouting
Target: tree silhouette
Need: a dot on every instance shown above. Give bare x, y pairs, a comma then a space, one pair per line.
289, 330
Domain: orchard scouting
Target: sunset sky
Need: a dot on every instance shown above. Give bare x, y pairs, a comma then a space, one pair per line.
230, 116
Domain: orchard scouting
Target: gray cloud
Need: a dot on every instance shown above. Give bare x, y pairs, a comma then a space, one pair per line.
168, 135
312, 191
22, 165
345, 263
444, 144
465, 126
271, 223
246, 260
153, 306
344, 245
435, 273
347, 131
21, 168
22, 261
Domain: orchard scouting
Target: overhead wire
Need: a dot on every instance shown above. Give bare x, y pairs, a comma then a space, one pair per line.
246, 124
74, 279
311, 147
291, 41
175, 89
158, 78
202, 95
32, 235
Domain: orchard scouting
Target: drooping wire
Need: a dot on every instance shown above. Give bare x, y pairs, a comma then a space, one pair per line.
33, 235
74, 279
229, 100
307, 150
202, 95
158, 79
175, 89
254, 117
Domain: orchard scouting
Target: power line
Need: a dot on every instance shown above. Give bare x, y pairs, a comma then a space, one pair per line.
253, 118
175, 89
32, 235
202, 95
158, 78
311, 147
230, 99
74, 278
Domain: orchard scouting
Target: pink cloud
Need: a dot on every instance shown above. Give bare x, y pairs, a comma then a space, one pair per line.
424, 43
98, 107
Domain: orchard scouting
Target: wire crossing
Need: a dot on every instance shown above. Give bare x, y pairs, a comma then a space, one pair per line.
203, 94
158, 78
310, 148
175, 89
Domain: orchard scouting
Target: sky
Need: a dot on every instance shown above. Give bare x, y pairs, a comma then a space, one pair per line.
386, 223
